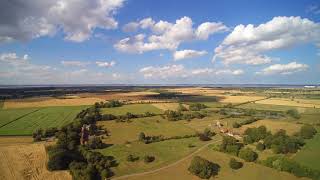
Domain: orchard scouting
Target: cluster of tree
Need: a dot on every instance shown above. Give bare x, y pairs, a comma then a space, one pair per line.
197, 107
307, 131
255, 134
203, 168
248, 121
108, 104
178, 115
95, 143
39, 134
152, 139
234, 164
294, 113
206, 135
283, 163
248, 154
125, 117
93, 166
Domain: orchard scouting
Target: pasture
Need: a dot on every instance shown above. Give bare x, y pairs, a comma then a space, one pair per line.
122, 131
250, 171
48, 102
309, 155
165, 152
132, 108
41, 118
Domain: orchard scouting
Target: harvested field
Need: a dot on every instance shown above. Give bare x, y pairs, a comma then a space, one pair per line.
38, 102
274, 126
240, 99
167, 106
27, 161
289, 102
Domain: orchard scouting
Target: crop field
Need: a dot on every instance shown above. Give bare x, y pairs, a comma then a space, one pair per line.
26, 161
132, 108
250, 171
47, 102
42, 118
122, 131
165, 152
289, 102
309, 155
275, 125
8, 115
270, 107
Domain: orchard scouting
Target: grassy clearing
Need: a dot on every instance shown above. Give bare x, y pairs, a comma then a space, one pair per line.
309, 155
132, 108
43, 118
122, 132
8, 115
165, 152
275, 125
48, 102
250, 171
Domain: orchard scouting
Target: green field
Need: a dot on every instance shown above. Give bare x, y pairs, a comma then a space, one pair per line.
132, 108
122, 131
265, 107
165, 152
310, 153
42, 118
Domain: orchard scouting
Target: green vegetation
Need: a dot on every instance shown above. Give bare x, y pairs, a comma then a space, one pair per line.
9, 115
307, 131
230, 145
197, 107
108, 104
203, 168
132, 108
294, 113
248, 154
31, 119
234, 164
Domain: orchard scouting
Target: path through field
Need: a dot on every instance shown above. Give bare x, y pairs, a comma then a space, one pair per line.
168, 166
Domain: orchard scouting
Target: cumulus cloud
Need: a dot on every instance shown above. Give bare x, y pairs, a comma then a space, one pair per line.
24, 20
130, 27
105, 63
247, 44
284, 69
166, 35
75, 63
188, 53
210, 71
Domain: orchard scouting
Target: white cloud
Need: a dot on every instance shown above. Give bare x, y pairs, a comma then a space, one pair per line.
105, 64
188, 53
75, 63
247, 44
166, 35
284, 69
210, 71
25, 20
130, 27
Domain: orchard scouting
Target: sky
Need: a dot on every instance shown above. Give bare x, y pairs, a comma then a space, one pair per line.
159, 42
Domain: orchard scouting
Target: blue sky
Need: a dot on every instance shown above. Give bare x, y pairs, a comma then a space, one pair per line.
159, 42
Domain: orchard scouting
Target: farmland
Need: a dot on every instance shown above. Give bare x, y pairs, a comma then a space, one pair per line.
171, 144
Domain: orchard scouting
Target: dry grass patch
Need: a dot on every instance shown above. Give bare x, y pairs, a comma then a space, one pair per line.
41, 102
289, 102
168, 106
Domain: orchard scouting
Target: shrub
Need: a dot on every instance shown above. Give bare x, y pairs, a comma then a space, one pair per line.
148, 159
203, 137
293, 113
260, 146
234, 164
95, 143
203, 168
230, 144
233, 149
142, 136
197, 107
132, 158
248, 155
307, 131
236, 125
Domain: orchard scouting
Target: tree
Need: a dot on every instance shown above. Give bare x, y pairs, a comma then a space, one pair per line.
260, 146
234, 164
95, 143
236, 125
293, 113
203, 168
142, 136
307, 131
148, 159
248, 155
197, 107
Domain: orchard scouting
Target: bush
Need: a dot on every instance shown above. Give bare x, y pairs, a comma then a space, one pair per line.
142, 136
234, 164
231, 145
236, 125
260, 146
132, 158
293, 113
203, 168
248, 155
307, 131
203, 137
197, 107
148, 159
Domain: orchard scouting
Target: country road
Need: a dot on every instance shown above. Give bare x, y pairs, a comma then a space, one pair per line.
167, 166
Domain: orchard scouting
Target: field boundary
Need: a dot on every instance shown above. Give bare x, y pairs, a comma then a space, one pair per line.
167, 166
20, 117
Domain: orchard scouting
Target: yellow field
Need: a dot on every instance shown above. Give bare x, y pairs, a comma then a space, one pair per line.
239, 99
289, 102
26, 161
41, 102
250, 171
274, 126
167, 106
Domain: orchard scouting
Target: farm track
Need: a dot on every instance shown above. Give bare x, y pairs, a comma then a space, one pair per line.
20, 117
167, 166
